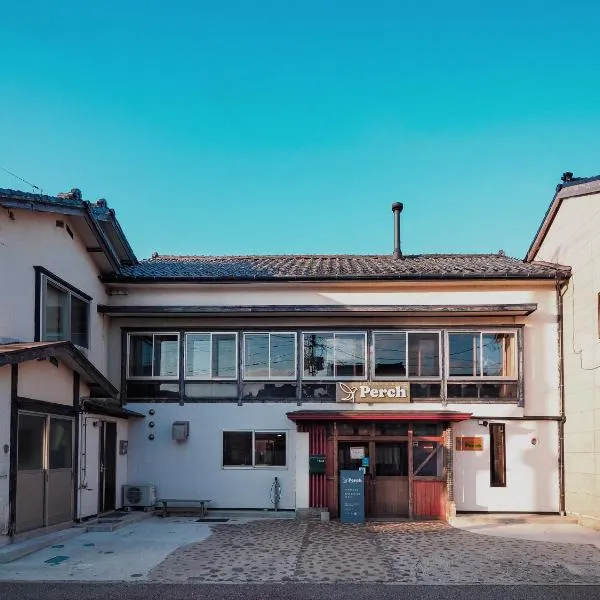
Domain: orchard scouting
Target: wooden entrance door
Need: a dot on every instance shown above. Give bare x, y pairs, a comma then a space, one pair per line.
389, 479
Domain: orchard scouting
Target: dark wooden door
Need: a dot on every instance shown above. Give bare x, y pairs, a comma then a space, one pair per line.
389, 479
108, 467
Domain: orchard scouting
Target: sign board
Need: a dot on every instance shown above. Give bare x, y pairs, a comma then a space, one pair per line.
316, 463
469, 444
372, 391
365, 461
352, 496
357, 452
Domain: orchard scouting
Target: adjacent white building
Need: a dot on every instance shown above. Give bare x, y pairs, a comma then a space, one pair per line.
253, 381
569, 235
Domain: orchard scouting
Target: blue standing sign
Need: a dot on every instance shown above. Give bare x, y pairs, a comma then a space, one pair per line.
352, 496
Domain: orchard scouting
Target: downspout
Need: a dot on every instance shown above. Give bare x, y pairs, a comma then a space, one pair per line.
561, 390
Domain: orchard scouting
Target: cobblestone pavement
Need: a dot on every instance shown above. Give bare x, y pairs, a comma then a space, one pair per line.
406, 552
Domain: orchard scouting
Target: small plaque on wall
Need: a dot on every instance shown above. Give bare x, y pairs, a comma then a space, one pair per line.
469, 444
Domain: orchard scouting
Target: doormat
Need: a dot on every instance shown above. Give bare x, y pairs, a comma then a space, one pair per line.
211, 520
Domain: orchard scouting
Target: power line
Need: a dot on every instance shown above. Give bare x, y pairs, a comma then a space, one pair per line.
35, 187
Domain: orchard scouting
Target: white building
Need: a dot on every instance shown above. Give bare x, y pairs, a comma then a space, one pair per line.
438, 374
569, 234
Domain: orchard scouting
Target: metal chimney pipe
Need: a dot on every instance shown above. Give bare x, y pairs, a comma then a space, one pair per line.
397, 209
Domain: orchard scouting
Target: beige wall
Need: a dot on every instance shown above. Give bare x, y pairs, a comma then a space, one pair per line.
41, 380
33, 239
574, 240
540, 328
5, 388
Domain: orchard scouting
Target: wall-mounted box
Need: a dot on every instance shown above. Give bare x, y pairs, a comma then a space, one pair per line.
181, 431
316, 463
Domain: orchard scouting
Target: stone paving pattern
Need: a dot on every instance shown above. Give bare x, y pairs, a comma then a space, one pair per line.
404, 552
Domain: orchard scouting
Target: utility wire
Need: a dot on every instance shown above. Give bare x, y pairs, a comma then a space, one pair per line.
35, 187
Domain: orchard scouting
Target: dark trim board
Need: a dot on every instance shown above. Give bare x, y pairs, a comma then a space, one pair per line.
14, 445
408, 309
43, 271
39, 406
76, 393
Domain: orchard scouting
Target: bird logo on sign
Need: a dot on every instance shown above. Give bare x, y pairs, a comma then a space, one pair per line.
349, 391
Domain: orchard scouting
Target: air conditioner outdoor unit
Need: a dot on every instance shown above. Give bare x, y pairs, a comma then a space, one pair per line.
140, 495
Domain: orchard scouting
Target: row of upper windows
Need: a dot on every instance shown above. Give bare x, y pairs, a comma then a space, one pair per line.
213, 356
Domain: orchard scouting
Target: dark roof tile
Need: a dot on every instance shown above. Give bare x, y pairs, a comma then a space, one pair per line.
332, 267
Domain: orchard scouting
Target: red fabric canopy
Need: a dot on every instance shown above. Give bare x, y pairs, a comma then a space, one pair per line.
377, 415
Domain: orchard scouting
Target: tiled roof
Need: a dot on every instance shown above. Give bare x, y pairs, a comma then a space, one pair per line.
335, 267
68, 201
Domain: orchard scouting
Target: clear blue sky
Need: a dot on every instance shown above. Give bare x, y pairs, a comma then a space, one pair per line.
236, 127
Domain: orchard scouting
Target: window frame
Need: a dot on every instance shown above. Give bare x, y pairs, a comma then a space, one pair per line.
254, 466
407, 377
45, 279
499, 480
187, 377
130, 377
311, 378
474, 378
269, 377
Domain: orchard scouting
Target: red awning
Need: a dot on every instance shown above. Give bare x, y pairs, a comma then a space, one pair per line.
377, 415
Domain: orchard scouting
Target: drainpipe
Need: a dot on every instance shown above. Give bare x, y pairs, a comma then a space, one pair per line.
561, 390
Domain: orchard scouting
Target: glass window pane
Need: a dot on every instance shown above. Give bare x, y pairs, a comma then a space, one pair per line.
319, 392
79, 322
427, 459
463, 352
391, 459
197, 355
55, 314
212, 389
61, 444
498, 355
427, 429
390, 354
224, 356
140, 356
269, 449
318, 355
349, 355
256, 355
31, 442
283, 355
269, 390
166, 355
423, 355
237, 448
151, 389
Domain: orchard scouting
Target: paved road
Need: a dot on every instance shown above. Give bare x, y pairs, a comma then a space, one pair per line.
290, 591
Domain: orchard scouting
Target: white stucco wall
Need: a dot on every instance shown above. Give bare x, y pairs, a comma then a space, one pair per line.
33, 239
531, 470
540, 328
5, 389
302, 470
193, 469
41, 380
574, 240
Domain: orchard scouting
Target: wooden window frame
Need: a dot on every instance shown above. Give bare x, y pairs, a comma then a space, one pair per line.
497, 463
269, 377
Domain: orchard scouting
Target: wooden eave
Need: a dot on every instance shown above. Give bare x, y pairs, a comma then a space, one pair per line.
433, 310
377, 415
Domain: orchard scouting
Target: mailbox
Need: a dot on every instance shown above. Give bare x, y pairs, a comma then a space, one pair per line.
316, 463
181, 431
